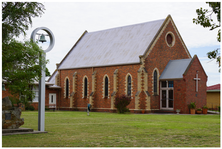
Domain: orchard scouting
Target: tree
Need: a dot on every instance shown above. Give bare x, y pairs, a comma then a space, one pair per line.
205, 19
20, 60
17, 16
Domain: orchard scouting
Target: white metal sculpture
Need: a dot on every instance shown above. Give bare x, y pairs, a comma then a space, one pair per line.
41, 105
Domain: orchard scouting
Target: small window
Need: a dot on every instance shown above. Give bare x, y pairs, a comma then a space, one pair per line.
51, 98
170, 83
163, 84
169, 39
155, 82
85, 86
106, 86
129, 86
67, 87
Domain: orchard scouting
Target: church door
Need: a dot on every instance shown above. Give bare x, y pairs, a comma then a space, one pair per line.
52, 98
166, 95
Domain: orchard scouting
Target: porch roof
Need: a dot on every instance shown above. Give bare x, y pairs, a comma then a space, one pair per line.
175, 69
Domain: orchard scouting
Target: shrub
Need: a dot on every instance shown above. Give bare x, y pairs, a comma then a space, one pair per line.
192, 105
29, 107
205, 107
14, 100
121, 102
199, 109
219, 108
46, 108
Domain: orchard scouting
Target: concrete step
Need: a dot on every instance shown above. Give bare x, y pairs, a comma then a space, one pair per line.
17, 130
20, 131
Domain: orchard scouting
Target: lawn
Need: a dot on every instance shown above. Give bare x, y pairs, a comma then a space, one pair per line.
76, 129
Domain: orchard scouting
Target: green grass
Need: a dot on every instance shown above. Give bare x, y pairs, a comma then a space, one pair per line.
76, 129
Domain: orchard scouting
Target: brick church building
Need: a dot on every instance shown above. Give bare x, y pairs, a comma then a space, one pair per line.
149, 62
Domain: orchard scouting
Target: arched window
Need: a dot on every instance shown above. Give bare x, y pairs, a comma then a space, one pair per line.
85, 87
106, 86
129, 85
67, 87
155, 82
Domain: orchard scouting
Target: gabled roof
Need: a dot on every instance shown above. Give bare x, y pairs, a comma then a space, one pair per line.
213, 88
117, 46
51, 80
52, 77
175, 69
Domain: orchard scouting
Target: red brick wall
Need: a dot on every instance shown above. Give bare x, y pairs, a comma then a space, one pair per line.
158, 58
191, 95
35, 105
180, 95
142, 102
99, 102
6, 92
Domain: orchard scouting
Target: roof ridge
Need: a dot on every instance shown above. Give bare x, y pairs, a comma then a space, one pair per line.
181, 59
126, 26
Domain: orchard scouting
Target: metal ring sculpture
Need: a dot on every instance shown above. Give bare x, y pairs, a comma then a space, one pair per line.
51, 36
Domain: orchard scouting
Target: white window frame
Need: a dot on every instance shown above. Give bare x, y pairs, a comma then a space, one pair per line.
167, 95
54, 98
35, 89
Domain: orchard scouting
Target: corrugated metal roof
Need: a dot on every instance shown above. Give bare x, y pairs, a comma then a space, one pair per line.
52, 78
175, 69
122, 45
214, 87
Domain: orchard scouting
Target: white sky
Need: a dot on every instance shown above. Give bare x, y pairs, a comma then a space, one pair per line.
68, 21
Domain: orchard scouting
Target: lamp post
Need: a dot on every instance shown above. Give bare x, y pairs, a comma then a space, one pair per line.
41, 105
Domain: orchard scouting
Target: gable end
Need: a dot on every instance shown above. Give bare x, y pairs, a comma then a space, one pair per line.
159, 33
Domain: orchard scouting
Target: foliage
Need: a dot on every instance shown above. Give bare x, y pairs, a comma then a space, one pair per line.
47, 108
205, 19
219, 108
20, 66
17, 16
14, 100
20, 59
29, 107
121, 102
192, 105
205, 107
199, 109
24, 100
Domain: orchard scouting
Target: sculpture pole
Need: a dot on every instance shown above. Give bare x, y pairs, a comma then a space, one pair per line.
41, 105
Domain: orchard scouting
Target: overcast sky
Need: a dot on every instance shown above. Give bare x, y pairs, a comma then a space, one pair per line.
68, 21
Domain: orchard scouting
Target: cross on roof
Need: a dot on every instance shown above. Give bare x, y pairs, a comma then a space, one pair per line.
197, 79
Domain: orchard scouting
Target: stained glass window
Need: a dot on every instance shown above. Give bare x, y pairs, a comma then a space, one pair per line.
85, 87
106, 86
155, 82
67, 87
129, 86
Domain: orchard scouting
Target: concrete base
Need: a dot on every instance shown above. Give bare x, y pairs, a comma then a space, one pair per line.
20, 131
